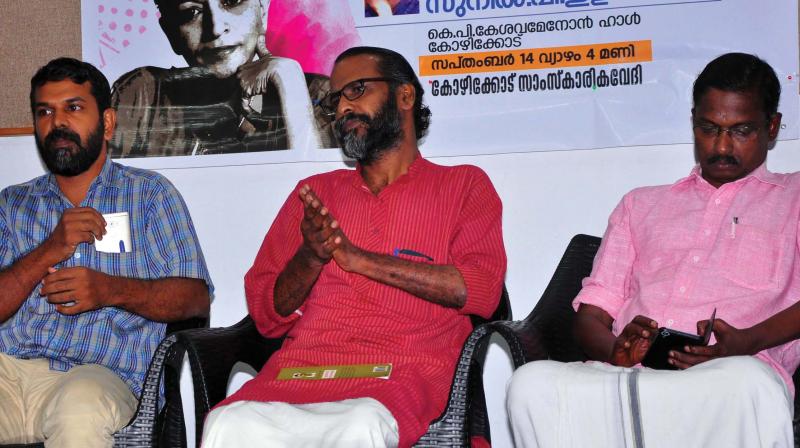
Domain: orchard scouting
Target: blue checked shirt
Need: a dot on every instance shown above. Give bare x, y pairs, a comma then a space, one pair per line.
164, 245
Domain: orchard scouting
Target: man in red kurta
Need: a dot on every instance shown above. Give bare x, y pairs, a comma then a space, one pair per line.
376, 266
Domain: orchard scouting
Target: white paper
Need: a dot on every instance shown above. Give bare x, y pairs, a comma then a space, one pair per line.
118, 234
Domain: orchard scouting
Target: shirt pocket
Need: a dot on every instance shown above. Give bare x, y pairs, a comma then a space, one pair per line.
752, 256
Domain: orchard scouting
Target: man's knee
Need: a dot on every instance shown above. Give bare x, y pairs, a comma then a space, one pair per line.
531, 380
746, 374
87, 399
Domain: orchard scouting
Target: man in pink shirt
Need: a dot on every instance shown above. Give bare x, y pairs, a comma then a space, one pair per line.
376, 269
724, 238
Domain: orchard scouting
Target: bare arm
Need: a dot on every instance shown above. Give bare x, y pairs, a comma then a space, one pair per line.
440, 284
77, 290
592, 329
776, 330
324, 240
77, 226
294, 283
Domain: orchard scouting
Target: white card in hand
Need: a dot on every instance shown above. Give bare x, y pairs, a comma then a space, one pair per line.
118, 234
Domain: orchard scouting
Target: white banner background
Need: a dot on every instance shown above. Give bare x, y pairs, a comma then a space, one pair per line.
683, 36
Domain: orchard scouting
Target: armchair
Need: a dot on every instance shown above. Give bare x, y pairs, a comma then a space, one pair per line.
546, 333
213, 353
149, 427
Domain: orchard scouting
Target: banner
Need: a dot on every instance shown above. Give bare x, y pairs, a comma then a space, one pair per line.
237, 82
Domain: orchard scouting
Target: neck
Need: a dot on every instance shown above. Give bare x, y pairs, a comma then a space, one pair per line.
76, 187
393, 164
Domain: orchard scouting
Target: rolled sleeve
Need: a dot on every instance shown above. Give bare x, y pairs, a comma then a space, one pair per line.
7, 253
477, 249
279, 246
174, 247
607, 286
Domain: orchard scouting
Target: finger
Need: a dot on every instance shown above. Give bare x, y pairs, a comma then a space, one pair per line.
61, 297
261, 46
645, 321
710, 351
635, 329
683, 359
72, 309
88, 217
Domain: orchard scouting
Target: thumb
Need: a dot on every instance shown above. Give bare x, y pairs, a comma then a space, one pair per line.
261, 46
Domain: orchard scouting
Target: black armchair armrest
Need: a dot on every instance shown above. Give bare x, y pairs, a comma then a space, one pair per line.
212, 354
546, 333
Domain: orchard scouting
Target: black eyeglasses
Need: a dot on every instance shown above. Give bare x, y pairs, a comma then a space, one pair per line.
352, 91
739, 132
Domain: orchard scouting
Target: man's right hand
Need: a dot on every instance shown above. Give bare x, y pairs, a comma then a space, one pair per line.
632, 344
321, 233
76, 226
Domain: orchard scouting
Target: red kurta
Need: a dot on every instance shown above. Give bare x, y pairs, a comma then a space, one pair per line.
450, 214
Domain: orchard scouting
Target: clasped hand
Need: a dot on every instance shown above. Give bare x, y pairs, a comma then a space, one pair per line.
323, 238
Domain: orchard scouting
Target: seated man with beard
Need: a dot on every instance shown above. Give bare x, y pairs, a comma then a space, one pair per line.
79, 320
376, 269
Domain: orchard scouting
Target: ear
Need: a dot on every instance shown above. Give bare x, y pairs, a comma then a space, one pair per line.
170, 29
109, 123
774, 126
406, 95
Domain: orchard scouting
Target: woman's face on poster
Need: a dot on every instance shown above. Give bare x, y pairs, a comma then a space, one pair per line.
220, 35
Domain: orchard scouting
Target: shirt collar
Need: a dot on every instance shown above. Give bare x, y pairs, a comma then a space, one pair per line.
416, 167
108, 177
761, 174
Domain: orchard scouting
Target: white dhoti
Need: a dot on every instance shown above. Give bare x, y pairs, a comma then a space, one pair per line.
354, 423
726, 402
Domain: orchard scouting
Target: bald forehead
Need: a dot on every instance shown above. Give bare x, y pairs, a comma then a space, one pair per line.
352, 68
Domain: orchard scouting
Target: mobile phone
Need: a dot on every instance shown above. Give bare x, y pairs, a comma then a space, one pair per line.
668, 339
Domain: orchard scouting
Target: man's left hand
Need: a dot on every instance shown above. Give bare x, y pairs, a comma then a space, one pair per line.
76, 290
731, 341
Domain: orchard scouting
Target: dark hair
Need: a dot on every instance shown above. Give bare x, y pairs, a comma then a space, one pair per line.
78, 72
740, 72
393, 65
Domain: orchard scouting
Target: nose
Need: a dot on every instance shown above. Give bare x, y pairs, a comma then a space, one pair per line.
723, 143
344, 107
59, 118
215, 21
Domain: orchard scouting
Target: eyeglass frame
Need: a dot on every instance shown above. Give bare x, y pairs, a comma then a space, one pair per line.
330, 109
711, 130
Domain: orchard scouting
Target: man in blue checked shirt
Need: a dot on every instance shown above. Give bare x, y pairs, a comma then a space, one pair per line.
80, 317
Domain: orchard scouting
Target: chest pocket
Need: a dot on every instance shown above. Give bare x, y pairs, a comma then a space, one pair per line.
753, 256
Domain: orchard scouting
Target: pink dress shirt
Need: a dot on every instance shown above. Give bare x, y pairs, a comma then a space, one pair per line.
675, 252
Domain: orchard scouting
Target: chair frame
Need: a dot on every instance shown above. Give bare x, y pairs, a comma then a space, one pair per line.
214, 352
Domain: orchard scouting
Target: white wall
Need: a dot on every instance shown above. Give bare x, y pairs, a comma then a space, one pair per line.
547, 198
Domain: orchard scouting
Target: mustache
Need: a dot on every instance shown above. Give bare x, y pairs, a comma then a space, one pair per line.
722, 158
339, 124
61, 134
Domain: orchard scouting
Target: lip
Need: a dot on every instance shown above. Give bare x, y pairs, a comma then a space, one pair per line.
352, 124
212, 54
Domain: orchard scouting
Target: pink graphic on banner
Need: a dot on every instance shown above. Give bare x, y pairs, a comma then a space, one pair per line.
311, 32
116, 24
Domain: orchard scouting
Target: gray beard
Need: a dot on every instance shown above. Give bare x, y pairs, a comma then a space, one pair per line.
382, 134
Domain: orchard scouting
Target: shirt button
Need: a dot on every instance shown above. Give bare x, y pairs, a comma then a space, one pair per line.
670, 322
696, 258
717, 201
77, 255
682, 289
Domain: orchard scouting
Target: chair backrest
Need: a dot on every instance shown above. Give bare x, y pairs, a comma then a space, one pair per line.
554, 308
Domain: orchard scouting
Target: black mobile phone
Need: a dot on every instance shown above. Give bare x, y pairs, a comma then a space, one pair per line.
668, 339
